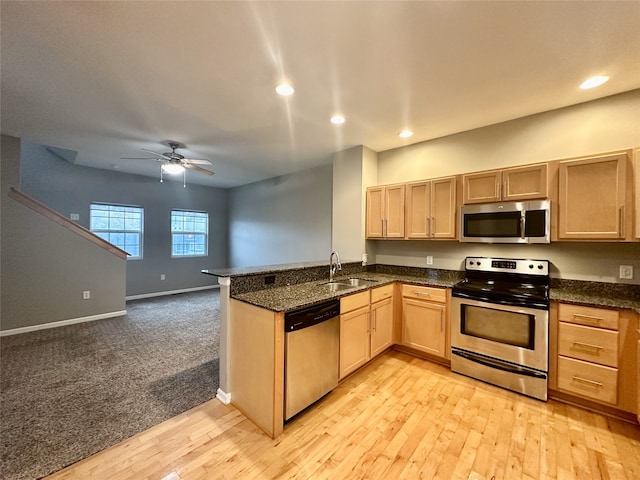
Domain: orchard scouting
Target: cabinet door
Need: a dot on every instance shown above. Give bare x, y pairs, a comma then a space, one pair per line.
394, 211
591, 198
354, 340
443, 208
423, 326
418, 210
381, 326
375, 212
481, 187
525, 183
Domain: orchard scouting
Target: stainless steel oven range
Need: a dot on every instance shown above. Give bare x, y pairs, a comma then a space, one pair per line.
500, 323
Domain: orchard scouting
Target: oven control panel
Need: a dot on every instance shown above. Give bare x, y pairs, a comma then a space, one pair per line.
507, 265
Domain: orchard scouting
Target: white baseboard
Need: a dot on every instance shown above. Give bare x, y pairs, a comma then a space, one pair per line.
171, 292
224, 397
61, 323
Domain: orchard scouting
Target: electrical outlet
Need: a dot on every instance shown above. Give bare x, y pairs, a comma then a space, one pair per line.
626, 272
364, 259
74, 216
86, 294
162, 277
429, 260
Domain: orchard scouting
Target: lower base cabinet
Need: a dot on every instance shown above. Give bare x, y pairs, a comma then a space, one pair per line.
424, 319
595, 356
366, 327
354, 340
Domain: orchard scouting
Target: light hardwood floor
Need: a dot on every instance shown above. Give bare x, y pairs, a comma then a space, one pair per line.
398, 418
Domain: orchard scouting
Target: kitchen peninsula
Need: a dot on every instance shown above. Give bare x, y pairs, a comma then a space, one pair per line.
253, 302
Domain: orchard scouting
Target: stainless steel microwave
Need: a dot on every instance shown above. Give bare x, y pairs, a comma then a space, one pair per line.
507, 222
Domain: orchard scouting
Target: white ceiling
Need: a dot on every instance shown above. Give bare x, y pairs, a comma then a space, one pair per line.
108, 78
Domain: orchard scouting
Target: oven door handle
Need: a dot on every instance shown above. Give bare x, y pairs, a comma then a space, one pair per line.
495, 363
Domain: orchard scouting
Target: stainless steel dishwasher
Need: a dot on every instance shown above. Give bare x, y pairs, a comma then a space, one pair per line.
312, 339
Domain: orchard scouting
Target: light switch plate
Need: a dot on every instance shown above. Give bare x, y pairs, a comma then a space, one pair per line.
74, 216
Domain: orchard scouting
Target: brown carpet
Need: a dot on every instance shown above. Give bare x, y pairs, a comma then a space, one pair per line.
69, 392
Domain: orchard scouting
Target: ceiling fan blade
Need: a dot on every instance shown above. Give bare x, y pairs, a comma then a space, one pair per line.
195, 161
140, 158
161, 155
197, 169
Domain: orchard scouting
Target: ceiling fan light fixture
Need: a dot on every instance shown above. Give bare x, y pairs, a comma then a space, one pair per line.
172, 168
284, 89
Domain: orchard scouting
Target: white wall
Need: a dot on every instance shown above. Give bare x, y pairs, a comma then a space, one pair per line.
603, 125
285, 219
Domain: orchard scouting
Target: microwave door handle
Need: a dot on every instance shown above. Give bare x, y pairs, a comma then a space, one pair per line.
522, 224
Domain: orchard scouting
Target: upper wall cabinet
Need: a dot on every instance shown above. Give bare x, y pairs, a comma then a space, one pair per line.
431, 209
511, 184
385, 212
595, 198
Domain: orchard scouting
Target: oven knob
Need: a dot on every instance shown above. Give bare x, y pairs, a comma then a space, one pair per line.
531, 266
540, 267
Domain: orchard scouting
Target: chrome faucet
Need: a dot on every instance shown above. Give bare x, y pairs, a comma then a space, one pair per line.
334, 267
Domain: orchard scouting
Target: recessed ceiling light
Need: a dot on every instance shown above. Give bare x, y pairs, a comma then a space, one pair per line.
284, 89
338, 120
405, 134
594, 82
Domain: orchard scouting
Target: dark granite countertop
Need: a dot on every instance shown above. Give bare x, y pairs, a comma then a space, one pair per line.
291, 297
596, 294
300, 286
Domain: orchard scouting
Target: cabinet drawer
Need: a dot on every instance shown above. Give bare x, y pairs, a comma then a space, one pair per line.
588, 380
588, 343
380, 293
425, 293
589, 316
351, 302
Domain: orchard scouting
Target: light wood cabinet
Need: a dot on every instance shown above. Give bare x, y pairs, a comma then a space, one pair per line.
385, 212
366, 327
354, 340
594, 354
381, 326
431, 209
594, 198
424, 319
509, 184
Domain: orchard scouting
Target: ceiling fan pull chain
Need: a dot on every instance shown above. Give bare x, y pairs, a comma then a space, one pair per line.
160, 173
184, 177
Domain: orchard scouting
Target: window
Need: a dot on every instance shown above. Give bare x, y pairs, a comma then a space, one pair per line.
120, 225
189, 232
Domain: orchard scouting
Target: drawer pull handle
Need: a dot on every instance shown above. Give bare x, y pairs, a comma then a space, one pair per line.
422, 293
586, 380
588, 317
588, 345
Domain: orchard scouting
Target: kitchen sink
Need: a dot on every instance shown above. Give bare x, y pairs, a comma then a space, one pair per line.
346, 283
360, 282
336, 286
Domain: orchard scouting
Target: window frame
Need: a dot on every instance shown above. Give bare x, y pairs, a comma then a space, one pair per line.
184, 231
124, 231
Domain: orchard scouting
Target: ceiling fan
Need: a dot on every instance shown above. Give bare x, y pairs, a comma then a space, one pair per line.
174, 163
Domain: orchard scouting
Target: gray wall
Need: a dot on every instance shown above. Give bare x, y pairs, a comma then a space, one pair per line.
284, 219
69, 188
45, 267
603, 125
